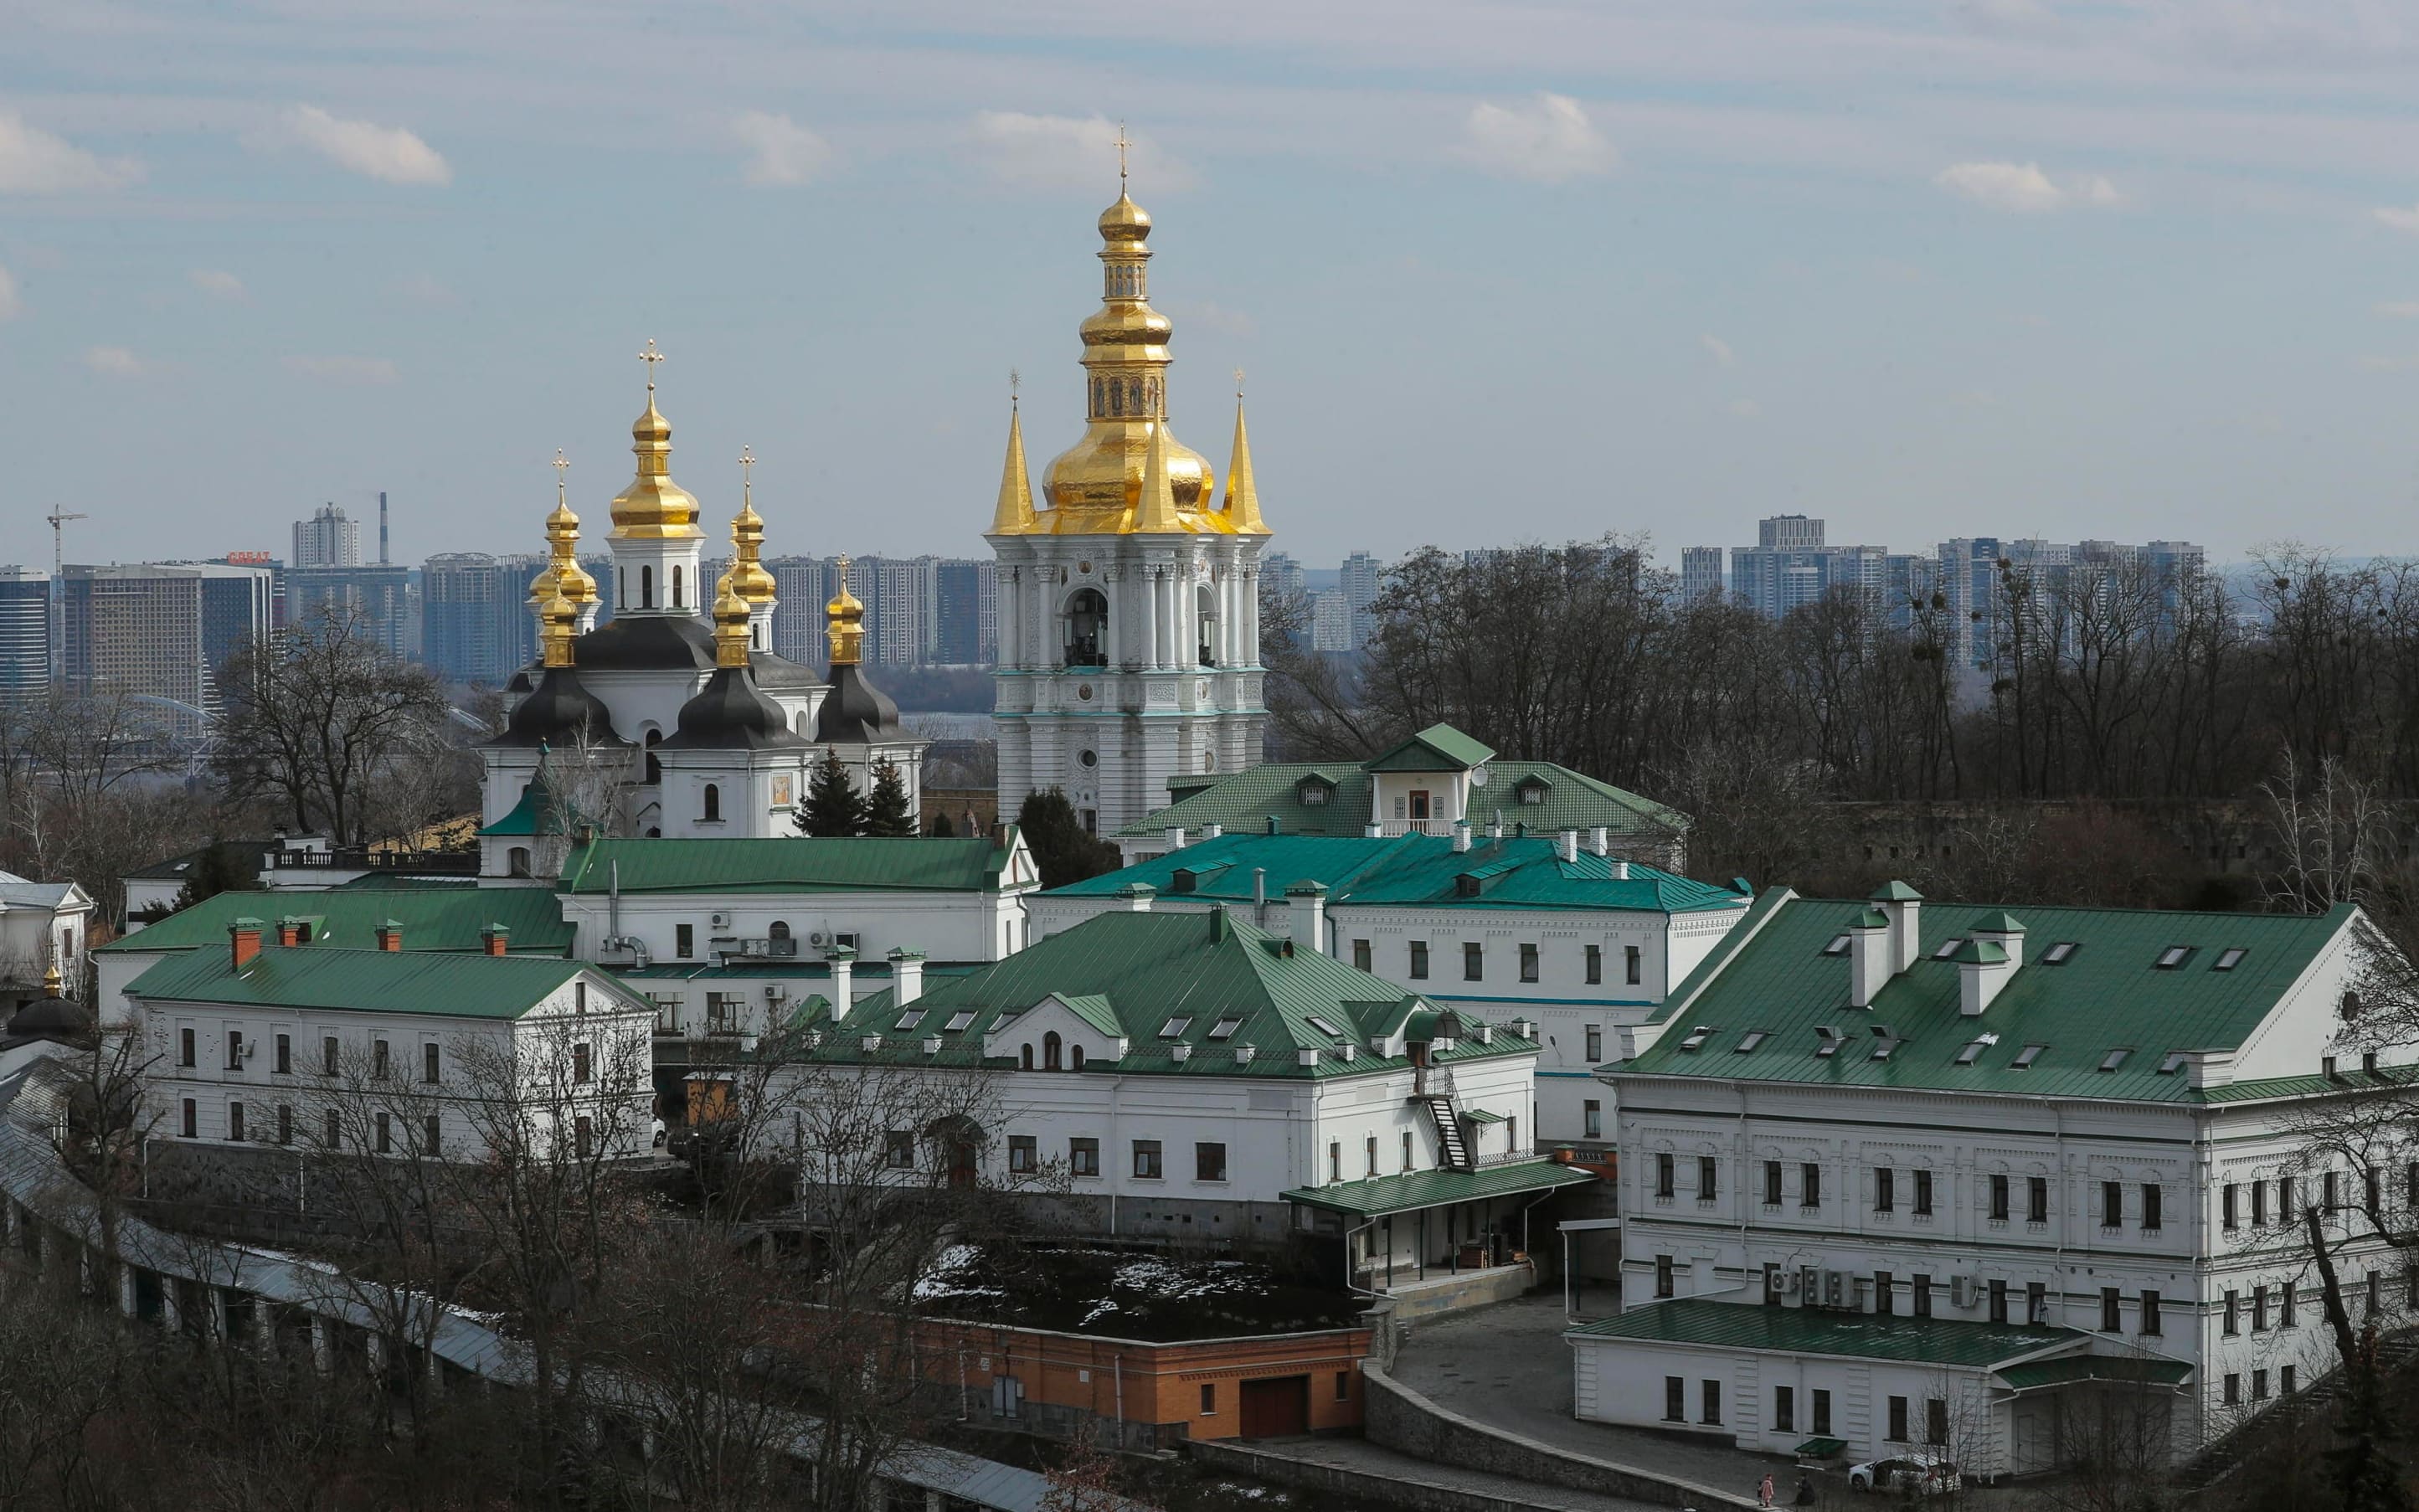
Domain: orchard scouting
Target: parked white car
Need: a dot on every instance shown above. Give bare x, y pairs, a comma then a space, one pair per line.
1921, 1473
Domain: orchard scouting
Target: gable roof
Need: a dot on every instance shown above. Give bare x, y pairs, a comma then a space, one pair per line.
1770, 974
1143, 972
1440, 747
801, 865
370, 981
1249, 799
1415, 870
438, 918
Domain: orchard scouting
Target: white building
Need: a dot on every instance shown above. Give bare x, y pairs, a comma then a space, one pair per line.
1548, 928
2056, 1151
327, 539
383, 1051
42, 925
1188, 1075
1128, 600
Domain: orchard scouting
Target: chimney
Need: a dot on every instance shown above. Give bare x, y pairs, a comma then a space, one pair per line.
1983, 969
1273, 824
289, 933
390, 935
1175, 837
1212, 831
2003, 929
1495, 825
1618, 871
1138, 896
1460, 835
1599, 841
842, 961
1868, 957
1306, 915
382, 557
1902, 904
906, 976
497, 938
1373, 830
1566, 846
243, 941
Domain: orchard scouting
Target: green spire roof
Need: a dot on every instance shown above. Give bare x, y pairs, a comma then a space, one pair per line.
1895, 892
1997, 922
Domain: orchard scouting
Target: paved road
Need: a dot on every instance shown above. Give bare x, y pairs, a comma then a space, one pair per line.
1369, 1460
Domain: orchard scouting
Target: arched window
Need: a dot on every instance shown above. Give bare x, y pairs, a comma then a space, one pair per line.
655, 832
654, 762
1026, 1058
1078, 1061
777, 929
1050, 1051
676, 588
1087, 626
516, 861
1205, 615
712, 801
1133, 397
646, 587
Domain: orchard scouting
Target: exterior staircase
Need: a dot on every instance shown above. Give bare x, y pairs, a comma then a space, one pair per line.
2222, 1457
1451, 1145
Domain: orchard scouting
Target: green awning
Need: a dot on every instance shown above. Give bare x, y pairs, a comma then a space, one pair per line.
1821, 1448
2140, 1369
1378, 1195
1482, 1116
1804, 1331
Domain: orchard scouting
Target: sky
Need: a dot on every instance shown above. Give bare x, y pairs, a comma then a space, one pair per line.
2128, 269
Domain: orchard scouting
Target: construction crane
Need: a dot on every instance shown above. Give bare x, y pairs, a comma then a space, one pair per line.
58, 520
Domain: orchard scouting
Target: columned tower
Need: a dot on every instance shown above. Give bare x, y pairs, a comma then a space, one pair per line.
1129, 593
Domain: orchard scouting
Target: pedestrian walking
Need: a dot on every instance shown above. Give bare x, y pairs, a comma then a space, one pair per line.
1763, 1493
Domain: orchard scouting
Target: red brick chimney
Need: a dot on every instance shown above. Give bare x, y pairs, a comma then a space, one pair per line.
289, 931
390, 935
497, 938
243, 941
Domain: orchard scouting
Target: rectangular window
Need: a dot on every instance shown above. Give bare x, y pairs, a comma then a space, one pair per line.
1708, 1170
582, 1062
1419, 959
1594, 964
2150, 1313
1595, 1044
1665, 1183
2112, 1204
1922, 1296
2112, 1310
1663, 1280
1675, 1400
683, 940
1885, 1293
381, 1060
328, 1056
1528, 962
1810, 1185
1083, 1157
1344, 1385
193, 1125
1999, 1199
2233, 1312
1821, 1422
1360, 955
1998, 1300
431, 1130
2287, 1187
1145, 1160
429, 1058
1474, 960
1630, 960
2233, 1389
2258, 1203
185, 1047
1024, 1154
1208, 1162
2372, 1296
2258, 1308
1710, 1397
1784, 1409
1335, 1160
2288, 1296
2285, 1379
2036, 1303
385, 1135
1208, 1399
583, 1130
2037, 1199
1923, 1194
1898, 1420
1936, 1420
284, 1054
285, 1123
2259, 1385
1369, 1156
331, 1134
234, 1121
1885, 1189
899, 1149
235, 1049
1772, 1183
2327, 1198
2229, 1205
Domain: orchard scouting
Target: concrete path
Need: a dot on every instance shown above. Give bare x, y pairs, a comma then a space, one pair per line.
1358, 1456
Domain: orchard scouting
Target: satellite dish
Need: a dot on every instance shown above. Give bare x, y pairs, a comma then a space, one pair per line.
1478, 776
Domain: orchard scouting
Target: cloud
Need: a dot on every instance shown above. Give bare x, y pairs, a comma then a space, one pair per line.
2399, 309
217, 283
421, 289
9, 304
783, 151
1719, 348
1068, 152
115, 361
1211, 316
2023, 189
343, 369
2400, 220
2006, 17
387, 153
33, 161
1548, 141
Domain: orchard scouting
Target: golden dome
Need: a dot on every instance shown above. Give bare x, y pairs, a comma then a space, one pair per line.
561, 619
653, 507
1125, 221
748, 576
844, 622
730, 641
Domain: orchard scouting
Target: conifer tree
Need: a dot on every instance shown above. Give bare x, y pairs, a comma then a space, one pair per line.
833, 810
886, 811
1062, 851
942, 829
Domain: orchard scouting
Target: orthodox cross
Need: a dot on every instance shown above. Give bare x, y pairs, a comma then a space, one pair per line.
1121, 158
747, 471
651, 357
1013, 379
1238, 383
561, 466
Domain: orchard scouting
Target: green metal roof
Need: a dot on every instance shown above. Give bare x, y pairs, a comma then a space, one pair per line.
1741, 1325
1440, 747
802, 864
1141, 973
370, 981
1512, 872
1248, 799
2072, 1368
433, 918
1375, 1197
1769, 974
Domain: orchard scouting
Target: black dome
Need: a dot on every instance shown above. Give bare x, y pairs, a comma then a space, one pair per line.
48, 1018
561, 707
856, 712
729, 713
646, 643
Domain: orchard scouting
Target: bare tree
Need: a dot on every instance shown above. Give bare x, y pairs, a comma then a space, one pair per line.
2330, 827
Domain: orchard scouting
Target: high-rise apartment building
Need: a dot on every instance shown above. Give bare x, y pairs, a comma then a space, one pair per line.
162, 630
1700, 573
327, 539
476, 623
1789, 566
965, 628
1359, 580
1330, 621
1281, 574
24, 632
380, 598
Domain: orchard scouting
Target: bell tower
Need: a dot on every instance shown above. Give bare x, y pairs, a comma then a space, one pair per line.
1129, 591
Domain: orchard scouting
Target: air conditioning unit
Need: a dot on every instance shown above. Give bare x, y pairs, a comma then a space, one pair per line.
818, 937
722, 921
1961, 1291
775, 992
1810, 1287
1836, 1288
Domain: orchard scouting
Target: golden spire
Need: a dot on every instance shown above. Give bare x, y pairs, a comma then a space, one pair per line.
653, 507
51, 981
844, 622
1014, 516
561, 619
564, 573
1155, 510
1242, 497
730, 625
748, 576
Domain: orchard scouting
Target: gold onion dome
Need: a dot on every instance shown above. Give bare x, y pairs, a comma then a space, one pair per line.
748, 576
844, 622
1125, 221
730, 641
653, 507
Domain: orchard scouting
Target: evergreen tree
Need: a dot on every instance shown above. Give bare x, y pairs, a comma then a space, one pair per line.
942, 829
833, 809
885, 811
1061, 850
223, 867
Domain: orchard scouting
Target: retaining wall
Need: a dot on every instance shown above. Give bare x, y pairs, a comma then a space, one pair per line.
1383, 1489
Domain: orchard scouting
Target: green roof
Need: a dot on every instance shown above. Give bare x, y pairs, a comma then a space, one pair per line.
433, 918
1135, 975
1770, 973
1375, 1197
2071, 1368
795, 865
371, 981
1512, 872
1741, 1325
1440, 747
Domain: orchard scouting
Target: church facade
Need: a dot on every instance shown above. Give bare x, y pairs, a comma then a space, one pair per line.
1129, 588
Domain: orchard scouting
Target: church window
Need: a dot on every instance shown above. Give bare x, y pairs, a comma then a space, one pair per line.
654, 762
713, 802
646, 587
1133, 396
676, 588
1089, 758
516, 861
1088, 622
1050, 1051
1027, 1057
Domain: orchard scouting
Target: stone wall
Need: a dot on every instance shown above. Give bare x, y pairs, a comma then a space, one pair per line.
1380, 1491
1450, 1293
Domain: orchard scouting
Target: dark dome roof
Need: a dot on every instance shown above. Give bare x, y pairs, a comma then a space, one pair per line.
646, 643
856, 712
48, 1018
731, 713
522, 680
558, 708
775, 671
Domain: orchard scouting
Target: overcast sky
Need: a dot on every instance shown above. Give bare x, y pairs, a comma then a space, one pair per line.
2130, 269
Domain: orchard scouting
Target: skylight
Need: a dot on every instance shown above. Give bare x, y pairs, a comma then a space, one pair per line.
1947, 949
1828, 1041
1697, 1037
1175, 1026
2174, 1063
1225, 1029
1839, 945
2229, 958
1326, 1028
909, 1020
1753, 1039
958, 1020
1882, 1049
2174, 956
1974, 1049
2115, 1058
2025, 1056
2055, 955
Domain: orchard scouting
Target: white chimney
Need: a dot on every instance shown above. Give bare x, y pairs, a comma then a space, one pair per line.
1903, 905
1138, 896
1495, 827
1868, 957
906, 976
1212, 831
1175, 837
1306, 917
843, 962
1620, 870
1373, 830
1461, 835
1566, 846
1983, 969
1599, 841
2003, 929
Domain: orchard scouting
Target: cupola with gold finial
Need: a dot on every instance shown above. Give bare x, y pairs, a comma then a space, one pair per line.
731, 712
655, 540
748, 576
855, 712
844, 622
559, 710
563, 572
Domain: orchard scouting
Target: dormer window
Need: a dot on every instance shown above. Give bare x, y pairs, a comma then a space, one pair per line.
2056, 956
1753, 1039
1314, 792
1225, 1029
2025, 1056
1697, 1037
2173, 1063
2174, 956
1185, 880
1839, 945
2115, 1058
2229, 958
1947, 949
1530, 789
958, 1020
908, 1021
1175, 1026
1974, 1049
1324, 1028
